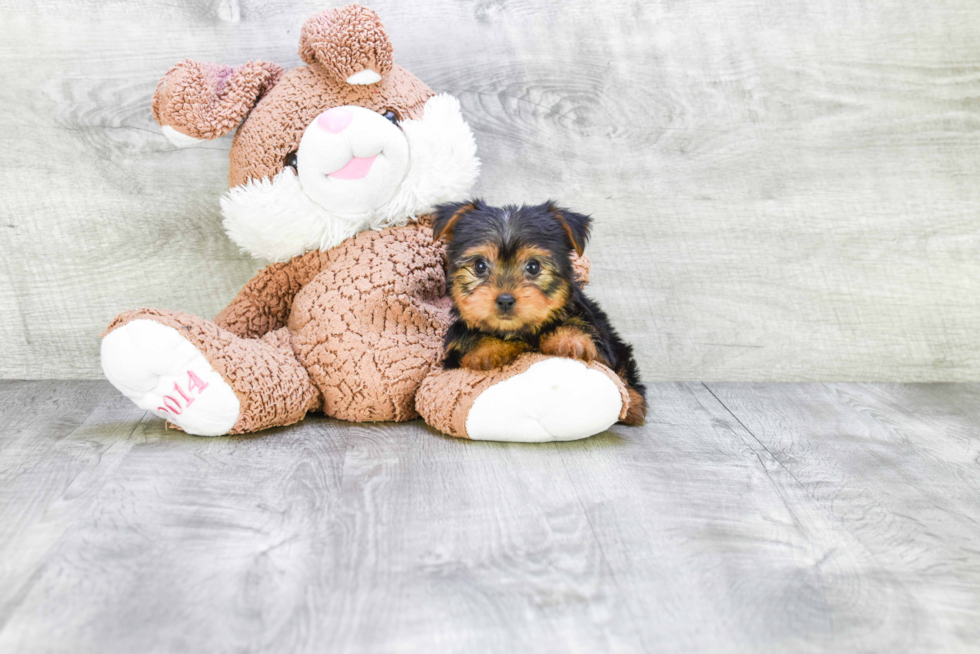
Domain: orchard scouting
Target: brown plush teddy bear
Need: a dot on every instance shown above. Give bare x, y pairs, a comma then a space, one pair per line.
334, 170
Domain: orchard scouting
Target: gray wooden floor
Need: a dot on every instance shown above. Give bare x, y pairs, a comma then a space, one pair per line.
820, 518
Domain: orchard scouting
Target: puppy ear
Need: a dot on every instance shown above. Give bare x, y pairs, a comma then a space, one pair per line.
447, 216
197, 100
576, 225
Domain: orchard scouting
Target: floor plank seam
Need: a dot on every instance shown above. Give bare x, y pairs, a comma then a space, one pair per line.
390, 537
837, 520
761, 444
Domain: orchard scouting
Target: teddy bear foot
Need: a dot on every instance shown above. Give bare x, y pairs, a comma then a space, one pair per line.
553, 400
535, 399
162, 372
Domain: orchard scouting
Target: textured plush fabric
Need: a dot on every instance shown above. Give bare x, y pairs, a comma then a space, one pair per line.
355, 330
369, 328
205, 100
445, 397
294, 212
367, 320
346, 41
582, 267
275, 126
271, 385
263, 305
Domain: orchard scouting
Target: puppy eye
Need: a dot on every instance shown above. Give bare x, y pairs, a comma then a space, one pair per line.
391, 115
533, 268
291, 161
480, 267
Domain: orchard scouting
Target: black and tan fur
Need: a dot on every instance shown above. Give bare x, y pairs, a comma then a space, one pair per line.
513, 291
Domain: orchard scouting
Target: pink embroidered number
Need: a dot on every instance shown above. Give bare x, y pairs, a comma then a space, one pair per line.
173, 405
193, 381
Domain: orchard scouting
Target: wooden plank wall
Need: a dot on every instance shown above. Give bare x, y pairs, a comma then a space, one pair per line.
784, 190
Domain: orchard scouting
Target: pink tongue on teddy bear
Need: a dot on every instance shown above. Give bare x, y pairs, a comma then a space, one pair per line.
356, 168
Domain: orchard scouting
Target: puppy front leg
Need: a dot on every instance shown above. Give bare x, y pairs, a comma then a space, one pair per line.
491, 353
570, 342
468, 348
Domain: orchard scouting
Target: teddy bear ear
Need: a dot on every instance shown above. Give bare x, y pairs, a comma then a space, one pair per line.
349, 43
199, 101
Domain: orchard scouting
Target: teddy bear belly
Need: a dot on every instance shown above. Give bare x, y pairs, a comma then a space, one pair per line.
368, 357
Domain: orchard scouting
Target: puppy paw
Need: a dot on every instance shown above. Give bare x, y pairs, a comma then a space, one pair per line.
492, 353
570, 343
637, 413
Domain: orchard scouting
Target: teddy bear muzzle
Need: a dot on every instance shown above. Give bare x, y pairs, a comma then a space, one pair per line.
351, 159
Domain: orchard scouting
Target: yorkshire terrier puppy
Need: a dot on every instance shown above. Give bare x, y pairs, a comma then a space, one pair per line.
514, 291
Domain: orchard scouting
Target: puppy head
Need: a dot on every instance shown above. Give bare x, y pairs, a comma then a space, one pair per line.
510, 268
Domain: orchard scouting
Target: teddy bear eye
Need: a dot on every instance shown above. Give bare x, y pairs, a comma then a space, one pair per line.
292, 161
392, 116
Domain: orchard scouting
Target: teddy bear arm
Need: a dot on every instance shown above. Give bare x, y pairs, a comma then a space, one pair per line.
581, 267
535, 398
202, 100
263, 305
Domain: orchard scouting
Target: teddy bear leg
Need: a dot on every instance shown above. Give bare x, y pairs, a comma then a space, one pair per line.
202, 378
534, 399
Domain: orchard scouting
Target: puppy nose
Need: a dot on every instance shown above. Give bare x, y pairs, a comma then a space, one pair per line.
505, 301
335, 120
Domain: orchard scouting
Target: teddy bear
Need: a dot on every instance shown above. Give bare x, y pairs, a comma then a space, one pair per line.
334, 171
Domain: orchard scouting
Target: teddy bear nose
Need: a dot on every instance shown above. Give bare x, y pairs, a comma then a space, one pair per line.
335, 120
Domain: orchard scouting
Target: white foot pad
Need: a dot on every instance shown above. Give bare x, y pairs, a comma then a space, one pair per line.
553, 400
161, 371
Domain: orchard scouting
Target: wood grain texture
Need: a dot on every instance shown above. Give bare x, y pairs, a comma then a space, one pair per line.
782, 191
740, 518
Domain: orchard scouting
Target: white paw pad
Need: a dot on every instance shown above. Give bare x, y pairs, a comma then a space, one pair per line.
553, 400
162, 372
